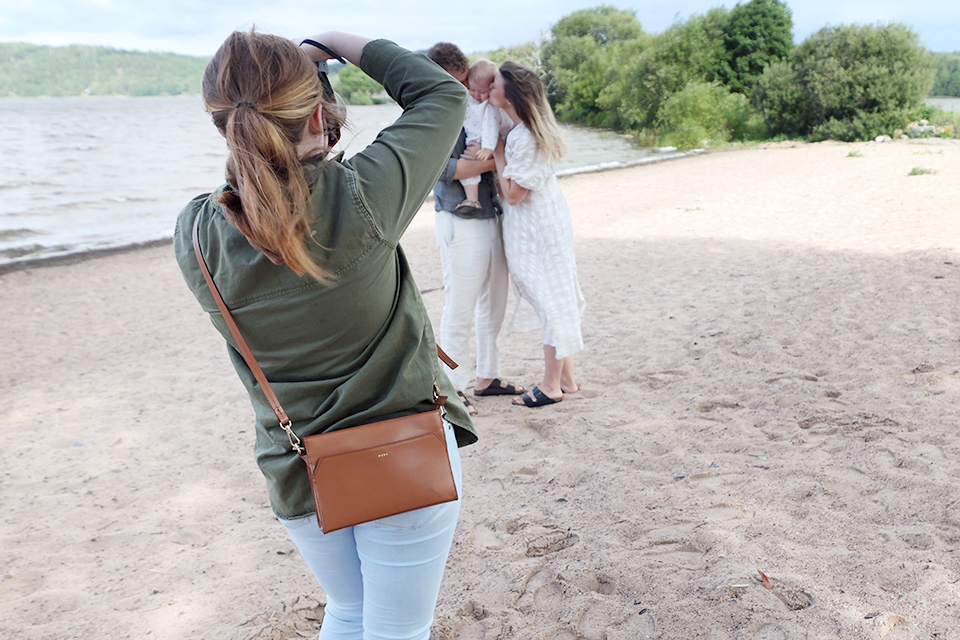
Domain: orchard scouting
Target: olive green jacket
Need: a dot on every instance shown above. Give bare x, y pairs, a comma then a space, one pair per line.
360, 349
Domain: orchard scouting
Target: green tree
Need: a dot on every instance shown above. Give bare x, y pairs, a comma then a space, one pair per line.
604, 24
356, 87
648, 75
758, 33
787, 107
579, 59
847, 82
947, 81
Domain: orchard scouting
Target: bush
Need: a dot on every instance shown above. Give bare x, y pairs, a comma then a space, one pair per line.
653, 71
848, 83
947, 80
947, 122
704, 114
356, 87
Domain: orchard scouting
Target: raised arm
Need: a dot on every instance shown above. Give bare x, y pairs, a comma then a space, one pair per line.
346, 45
397, 171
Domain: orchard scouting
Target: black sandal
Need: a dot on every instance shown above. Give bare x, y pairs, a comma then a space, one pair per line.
468, 207
472, 410
535, 398
499, 388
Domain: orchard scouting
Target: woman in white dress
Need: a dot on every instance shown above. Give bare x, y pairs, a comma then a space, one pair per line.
537, 227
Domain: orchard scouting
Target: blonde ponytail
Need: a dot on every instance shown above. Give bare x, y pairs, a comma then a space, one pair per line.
261, 91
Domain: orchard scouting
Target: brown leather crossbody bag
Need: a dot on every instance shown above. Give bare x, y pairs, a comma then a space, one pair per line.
366, 472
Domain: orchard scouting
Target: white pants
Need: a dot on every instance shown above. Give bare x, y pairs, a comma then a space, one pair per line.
475, 285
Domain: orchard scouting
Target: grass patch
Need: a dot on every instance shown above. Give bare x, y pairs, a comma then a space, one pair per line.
920, 171
855, 154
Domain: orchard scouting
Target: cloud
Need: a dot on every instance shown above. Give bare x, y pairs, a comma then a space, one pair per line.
198, 27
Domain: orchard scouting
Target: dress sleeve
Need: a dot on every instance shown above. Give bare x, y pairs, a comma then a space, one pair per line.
525, 164
397, 171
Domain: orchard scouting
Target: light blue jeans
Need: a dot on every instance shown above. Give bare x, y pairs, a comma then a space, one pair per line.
382, 578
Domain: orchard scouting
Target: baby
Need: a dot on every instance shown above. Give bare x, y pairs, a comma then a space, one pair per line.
481, 125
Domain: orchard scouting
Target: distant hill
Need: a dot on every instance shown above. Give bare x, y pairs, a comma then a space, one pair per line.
29, 70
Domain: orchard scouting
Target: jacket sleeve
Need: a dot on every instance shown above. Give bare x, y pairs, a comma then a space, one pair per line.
397, 171
449, 170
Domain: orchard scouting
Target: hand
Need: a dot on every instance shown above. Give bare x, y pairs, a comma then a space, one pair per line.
484, 154
470, 153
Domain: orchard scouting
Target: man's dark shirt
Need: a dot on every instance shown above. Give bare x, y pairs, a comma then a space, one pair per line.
448, 193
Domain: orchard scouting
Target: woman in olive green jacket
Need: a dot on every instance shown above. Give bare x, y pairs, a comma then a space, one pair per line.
304, 249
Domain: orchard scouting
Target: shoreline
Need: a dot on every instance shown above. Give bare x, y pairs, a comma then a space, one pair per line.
78, 256
19, 264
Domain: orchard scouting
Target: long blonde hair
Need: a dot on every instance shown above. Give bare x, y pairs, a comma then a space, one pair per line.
524, 89
261, 90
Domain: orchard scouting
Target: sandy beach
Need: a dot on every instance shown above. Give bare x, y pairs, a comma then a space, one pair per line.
771, 383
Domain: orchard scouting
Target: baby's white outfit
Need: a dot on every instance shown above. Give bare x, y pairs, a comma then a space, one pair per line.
481, 124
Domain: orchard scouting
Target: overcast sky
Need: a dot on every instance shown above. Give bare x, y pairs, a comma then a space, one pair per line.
198, 27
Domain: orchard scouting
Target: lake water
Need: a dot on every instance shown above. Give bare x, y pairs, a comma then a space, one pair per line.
80, 174
945, 103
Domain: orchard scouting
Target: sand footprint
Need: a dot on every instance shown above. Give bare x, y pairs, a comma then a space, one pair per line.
299, 618
791, 595
723, 512
550, 542
605, 619
597, 583
540, 591
542, 427
473, 622
658, 379
486, 538
919, 541
713, 405
525, 475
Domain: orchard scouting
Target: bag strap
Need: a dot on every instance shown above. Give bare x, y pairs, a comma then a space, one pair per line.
248, 357
285, 423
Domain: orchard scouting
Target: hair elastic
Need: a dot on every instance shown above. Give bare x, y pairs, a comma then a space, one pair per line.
244, 103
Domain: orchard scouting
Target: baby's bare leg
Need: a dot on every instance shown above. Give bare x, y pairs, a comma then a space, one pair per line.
472, 191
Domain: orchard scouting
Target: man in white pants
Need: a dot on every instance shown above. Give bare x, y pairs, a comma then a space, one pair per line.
475, 276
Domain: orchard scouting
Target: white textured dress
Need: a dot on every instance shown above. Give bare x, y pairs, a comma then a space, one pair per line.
538, 242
